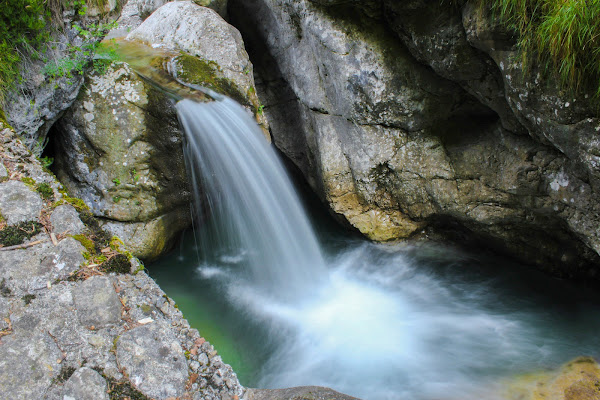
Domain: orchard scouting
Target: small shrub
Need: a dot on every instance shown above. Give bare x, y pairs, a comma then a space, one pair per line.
13, 235
46, 161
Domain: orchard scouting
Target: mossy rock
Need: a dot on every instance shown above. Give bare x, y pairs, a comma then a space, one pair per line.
197, 71
13, 235
118, 264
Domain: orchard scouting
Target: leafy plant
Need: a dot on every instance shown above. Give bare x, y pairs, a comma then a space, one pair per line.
22, 24
79, 56
46, 161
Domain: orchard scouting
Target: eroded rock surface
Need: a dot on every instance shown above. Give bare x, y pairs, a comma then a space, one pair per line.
62, 317
154, 361
412, 116
85, 384
119, 147
18, 202
120, 151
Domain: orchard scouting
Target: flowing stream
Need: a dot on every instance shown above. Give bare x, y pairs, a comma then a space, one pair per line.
288, 304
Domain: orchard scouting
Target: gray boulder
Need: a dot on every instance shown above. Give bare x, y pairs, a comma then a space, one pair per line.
65, 219
18, 202
154, 361
97, 302
85, 384
121, 153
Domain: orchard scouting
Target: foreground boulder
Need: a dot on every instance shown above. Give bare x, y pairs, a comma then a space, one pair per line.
119, 147
408, 118
71, 327
576, 380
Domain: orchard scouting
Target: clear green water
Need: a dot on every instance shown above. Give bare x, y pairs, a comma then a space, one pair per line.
427, 322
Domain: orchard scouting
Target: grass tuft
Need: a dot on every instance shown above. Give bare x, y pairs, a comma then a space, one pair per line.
561, 36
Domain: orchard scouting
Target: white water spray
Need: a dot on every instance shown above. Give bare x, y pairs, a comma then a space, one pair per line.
255, 216
374, 323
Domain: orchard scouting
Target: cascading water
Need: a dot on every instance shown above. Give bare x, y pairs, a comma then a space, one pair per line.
255, 214
373, 321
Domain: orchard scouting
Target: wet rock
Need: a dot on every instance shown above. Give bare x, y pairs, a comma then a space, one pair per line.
65, 219
577, 380
296, 393
97, 303
121, 152
201, 32
215, 55
18, 202
85, 384
153, 360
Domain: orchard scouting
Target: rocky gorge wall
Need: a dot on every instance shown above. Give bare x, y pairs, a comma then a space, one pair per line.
417, 116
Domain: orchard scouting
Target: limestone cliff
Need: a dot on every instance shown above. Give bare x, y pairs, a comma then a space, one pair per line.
415, 115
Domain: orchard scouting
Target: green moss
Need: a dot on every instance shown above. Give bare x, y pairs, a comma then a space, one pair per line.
28, 298
13, 235
75, 202
28, 181
99, 236
45, 191
198, 71
118, 264
85, 242
3, 120
140, 268
146, 309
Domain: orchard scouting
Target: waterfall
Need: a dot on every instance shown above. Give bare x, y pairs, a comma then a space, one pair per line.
255, 218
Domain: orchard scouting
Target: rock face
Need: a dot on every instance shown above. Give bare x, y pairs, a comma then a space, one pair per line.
18, 202
577, 380
39, 99
85, 384
119, 150
119, 147
408, 116
153, 360
66, 327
